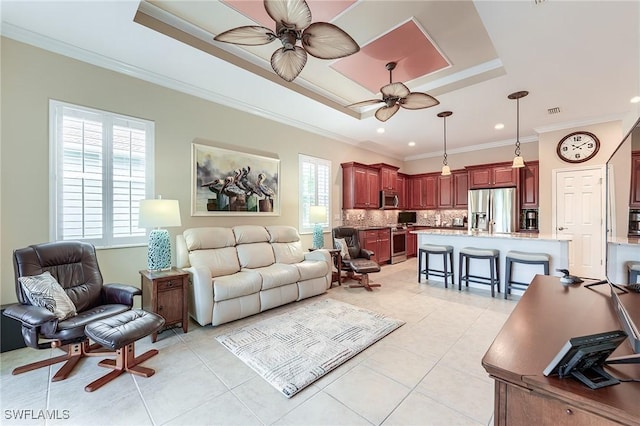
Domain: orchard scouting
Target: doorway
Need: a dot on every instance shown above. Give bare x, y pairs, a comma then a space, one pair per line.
578, 208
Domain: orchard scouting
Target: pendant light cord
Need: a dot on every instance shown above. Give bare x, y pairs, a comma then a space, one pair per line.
517, 127
444, 160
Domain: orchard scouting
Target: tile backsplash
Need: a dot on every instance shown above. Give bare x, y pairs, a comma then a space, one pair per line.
359, 218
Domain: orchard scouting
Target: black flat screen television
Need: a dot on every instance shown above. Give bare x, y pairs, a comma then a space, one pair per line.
407, 217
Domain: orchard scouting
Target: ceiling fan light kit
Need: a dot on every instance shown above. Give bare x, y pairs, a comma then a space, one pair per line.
518, 161
396, 95
293, 23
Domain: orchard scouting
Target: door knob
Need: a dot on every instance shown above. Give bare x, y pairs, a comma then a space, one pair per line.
560, 228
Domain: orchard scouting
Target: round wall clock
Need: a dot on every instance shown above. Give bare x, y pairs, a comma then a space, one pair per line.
577, 147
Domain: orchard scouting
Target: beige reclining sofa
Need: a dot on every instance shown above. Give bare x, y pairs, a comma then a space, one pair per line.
243, 270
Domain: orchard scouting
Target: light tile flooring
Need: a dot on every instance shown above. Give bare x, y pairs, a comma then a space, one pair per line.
428, 372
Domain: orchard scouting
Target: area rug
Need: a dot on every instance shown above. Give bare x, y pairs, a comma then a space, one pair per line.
292, 350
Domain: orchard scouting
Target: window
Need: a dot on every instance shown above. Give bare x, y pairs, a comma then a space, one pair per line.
101, 166
315, 177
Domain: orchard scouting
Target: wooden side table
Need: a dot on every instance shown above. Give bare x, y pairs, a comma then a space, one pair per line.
165, 293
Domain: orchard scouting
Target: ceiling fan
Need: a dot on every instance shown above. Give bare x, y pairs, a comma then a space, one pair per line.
293, 23
396, 95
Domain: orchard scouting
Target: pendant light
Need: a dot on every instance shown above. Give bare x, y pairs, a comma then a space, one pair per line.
446, 171
518, 161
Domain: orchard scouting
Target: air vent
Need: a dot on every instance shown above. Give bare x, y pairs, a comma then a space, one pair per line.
554, 110
538, 1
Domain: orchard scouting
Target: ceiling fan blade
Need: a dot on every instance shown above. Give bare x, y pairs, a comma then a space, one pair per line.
326, 41
251, 35
292, 14
385, 113
288, 63
398, 90
418, 100
365, 103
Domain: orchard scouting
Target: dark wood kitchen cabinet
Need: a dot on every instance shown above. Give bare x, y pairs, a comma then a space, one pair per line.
379, 242
529, 178
401, 185
445, 191
634, 199
360, 186
423, 191
498, 175
388, 176
460, 189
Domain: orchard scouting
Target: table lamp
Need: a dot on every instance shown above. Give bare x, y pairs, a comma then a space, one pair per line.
318, 216
157, 214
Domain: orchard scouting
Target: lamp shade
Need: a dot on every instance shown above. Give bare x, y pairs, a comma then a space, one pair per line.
518, 162
446, 170
159, 213
317, 214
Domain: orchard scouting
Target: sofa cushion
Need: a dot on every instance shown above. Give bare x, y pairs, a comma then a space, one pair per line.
239, 284
283, 234
247, 234
312, 269
221, 261
208, 238
277, 275
255, 255
288, 252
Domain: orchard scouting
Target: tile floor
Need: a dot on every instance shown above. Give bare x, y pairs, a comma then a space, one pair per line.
428, 372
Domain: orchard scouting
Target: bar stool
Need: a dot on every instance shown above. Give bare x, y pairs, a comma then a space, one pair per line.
493, 255
522, 257
428, 249
633, 271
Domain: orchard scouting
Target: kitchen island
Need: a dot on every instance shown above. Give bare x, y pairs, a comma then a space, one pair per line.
556, 247
620, 251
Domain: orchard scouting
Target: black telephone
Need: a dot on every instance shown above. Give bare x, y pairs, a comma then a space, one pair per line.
567, 279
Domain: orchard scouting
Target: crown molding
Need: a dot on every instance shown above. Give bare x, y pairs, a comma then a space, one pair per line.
578, 123
496, 144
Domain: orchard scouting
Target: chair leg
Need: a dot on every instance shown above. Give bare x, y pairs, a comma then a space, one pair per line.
507, 278
460, 260
364, 282
125, 361
74, 353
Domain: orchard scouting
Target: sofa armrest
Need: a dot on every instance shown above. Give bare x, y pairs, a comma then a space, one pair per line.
120, 293
200, 294
320, 255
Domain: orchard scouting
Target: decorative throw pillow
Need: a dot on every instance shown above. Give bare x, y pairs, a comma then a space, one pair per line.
344, 248
43, 290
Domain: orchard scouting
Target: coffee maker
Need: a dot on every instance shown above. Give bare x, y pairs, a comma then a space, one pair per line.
530, 220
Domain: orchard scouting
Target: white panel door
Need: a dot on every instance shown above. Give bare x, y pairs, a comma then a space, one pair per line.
578, 213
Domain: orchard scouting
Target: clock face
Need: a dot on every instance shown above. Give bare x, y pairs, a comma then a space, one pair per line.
578, 147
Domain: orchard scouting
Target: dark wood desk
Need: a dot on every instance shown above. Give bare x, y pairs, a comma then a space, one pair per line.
544, 319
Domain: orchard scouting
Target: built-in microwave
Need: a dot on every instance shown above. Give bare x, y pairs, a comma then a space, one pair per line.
388, 200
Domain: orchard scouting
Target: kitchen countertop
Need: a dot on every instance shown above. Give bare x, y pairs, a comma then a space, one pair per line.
625, 241
514, 235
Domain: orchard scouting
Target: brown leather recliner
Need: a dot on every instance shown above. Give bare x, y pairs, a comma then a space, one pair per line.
74, 265
359, 261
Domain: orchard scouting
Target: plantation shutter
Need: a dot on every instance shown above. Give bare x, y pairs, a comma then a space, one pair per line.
315, 175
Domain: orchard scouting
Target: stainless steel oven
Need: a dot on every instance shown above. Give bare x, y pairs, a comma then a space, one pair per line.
398, 244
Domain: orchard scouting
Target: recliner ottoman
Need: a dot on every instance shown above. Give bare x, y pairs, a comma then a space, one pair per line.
120, 333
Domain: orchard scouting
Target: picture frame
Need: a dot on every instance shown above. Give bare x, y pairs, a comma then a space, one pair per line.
226, 182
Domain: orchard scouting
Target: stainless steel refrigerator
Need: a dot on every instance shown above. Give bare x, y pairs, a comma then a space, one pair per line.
492, 210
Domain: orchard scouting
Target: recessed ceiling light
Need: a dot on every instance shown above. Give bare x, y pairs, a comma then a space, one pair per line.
635, 99
380, 130
499, 126
412, 143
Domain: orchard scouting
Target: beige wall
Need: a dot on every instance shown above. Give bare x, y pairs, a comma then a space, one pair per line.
610, 134
31, 76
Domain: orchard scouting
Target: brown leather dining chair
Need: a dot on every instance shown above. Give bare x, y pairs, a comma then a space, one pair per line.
75, 267
358, 265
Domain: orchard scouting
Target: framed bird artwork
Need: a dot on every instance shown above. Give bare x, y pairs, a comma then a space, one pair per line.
228, 182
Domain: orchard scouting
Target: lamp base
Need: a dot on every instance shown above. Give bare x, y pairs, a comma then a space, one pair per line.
318, 238
159, 254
